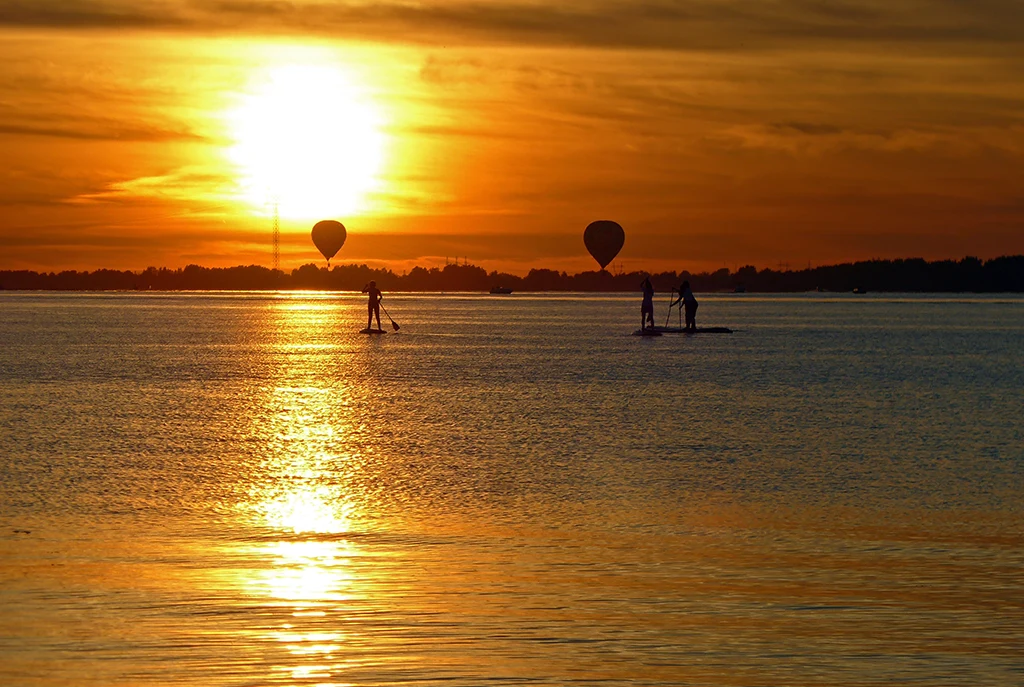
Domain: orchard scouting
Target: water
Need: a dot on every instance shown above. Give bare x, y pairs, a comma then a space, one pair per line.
238, 489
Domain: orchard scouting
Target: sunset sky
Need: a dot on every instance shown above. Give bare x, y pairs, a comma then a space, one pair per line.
717, 132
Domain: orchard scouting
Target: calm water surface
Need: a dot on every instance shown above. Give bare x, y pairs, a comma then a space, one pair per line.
239, 489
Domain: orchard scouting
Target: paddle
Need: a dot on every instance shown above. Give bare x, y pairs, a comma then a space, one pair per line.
393, 323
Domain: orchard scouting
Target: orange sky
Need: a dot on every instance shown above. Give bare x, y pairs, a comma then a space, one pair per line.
717, 132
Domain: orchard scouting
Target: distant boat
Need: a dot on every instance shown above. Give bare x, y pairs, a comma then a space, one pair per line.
500, 289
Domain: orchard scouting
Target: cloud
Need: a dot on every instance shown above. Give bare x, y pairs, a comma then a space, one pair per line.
185, 185
807, 128
818, 139
689, 25
91, 14
96, 130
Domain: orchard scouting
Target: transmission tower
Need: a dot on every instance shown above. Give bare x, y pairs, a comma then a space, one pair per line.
277, 239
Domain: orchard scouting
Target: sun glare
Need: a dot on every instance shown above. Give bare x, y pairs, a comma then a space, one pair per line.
308, 140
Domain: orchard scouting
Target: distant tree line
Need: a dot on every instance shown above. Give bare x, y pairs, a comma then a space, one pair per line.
1004, 274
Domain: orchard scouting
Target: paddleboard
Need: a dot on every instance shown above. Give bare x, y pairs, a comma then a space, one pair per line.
372, 331
698, 330
646, 332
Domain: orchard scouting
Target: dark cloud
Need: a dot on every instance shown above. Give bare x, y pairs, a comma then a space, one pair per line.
86, 14
650, 24
808, 128
91, 131
446, 132
84, 236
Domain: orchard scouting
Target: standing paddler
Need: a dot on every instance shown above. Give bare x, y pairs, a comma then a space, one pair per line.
689, 305
373, 304
647, 305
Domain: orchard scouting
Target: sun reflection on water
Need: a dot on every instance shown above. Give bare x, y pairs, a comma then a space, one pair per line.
308, 510
304, 498
309, 571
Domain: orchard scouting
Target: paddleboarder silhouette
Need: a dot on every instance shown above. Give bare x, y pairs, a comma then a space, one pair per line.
647, 305
689, 304
373, 304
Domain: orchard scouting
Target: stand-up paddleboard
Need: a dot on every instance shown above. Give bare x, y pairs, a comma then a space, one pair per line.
698, 330
372, 331
646, 332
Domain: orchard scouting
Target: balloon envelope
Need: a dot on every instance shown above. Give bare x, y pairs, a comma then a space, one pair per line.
329, 236
604, 240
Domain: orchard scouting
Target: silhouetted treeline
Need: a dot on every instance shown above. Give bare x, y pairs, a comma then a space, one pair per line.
1004, 274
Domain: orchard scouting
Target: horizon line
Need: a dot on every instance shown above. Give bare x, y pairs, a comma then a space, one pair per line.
459, 265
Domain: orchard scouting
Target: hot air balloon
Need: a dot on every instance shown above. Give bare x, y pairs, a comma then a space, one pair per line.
604, 240
329, 236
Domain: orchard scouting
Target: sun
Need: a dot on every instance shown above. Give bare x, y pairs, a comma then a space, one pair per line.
308, 140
